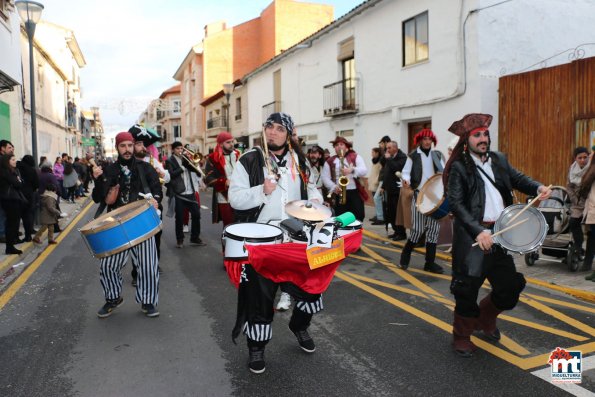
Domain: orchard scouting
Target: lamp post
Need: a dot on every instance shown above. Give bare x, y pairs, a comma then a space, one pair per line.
227, 90
30, 13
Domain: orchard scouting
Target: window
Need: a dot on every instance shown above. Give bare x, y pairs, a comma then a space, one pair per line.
345, 134
177, 106
238, 109
177, 131
348, 83
415, 39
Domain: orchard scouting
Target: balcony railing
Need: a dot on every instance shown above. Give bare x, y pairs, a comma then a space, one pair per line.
341, 97
270, 108
216, 122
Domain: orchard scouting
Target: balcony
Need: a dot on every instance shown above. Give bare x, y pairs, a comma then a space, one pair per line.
270, 108
340, 98
216, 122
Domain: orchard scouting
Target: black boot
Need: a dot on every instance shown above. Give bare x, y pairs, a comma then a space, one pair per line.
430, 266
256, 352
299, 323
590, 252
406, 255
12, 250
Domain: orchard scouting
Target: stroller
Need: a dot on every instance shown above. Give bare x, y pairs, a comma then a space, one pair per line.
558, 242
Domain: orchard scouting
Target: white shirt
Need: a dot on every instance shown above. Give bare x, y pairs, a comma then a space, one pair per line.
186, 175
243, 197
427, 168
360, 170
230, 163
494, 204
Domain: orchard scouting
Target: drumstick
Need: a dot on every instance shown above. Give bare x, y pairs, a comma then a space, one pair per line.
527, 206
507, 228
267, 160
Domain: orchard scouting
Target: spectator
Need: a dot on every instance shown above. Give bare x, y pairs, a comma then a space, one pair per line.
577, 206
587, 192
47, 177
49, 214
374, 185
81, 169
30, 186
59, 172
70, 180
11, 199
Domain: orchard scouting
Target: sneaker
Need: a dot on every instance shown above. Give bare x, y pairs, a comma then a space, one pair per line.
284, 302
108, 308
197, 241
399, 237
13, 251
305, 340
149, 310
179, 243
63, 215
186, 229
256, 362
433, 268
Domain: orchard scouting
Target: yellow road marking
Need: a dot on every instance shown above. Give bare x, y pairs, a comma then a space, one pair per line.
420, 250
558, 315
557, 302
28, 272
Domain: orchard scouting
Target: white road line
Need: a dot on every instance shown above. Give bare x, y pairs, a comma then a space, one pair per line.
573, 388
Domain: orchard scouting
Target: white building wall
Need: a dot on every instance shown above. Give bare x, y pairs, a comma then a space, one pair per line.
460, 76
10, 61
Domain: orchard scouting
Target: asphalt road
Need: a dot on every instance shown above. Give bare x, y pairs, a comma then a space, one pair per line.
383, 332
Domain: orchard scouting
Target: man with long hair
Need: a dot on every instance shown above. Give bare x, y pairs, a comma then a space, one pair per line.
479, 185
259, 197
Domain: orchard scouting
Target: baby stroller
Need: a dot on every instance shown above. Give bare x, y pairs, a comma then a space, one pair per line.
558, 242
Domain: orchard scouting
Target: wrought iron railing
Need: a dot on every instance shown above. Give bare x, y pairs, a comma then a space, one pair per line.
216, 122
341, 97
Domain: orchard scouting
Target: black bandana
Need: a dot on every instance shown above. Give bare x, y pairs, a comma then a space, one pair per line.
281, 118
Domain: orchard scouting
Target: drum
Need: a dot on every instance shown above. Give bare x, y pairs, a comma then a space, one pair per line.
294, 229
237, 234
352, 227
431, 200
121, 228
524, 238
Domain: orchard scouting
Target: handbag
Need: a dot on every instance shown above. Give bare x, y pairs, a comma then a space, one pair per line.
112, 194
14, 194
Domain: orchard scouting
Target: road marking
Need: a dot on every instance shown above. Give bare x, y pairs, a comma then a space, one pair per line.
558, 315
562, 303
28, 272
587, 363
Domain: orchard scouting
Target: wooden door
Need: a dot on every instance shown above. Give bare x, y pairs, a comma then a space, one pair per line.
414, 128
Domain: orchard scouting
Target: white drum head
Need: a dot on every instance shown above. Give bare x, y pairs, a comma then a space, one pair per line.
431, 194
253, 230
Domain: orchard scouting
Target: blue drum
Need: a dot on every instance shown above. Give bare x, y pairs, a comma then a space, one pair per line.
121, 229
431, 200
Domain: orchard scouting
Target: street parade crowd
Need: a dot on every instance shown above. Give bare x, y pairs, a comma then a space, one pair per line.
304, 195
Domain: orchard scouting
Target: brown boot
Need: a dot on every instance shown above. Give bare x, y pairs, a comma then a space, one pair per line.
462, 329
488, 313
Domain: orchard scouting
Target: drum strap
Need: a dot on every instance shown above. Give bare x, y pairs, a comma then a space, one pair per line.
493, 183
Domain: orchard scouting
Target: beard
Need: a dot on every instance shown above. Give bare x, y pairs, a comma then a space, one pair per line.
140, 155
274, 147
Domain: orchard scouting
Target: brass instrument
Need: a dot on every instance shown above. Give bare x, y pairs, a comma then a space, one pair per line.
152, 162
343, 180
195, 162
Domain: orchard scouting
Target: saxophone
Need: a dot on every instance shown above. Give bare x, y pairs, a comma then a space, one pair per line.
343, 180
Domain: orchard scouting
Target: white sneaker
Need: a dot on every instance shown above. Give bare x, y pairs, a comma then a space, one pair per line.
284, 302
186, 230
63, 215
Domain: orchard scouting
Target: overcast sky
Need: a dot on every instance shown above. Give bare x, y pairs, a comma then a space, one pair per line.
133, 47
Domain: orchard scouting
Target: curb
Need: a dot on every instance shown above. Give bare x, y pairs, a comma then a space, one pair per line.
578, 293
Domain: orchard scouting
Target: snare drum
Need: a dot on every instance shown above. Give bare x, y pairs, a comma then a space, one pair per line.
352, 227
431, 200
121, 228
524, 238
237, 234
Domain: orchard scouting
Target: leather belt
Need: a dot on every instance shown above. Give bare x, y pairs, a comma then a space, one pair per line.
488, 225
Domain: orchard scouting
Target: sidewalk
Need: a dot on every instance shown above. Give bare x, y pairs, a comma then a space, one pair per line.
551, 275
10, 264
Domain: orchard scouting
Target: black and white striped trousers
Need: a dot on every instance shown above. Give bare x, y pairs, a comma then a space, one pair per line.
422, 223
144, 257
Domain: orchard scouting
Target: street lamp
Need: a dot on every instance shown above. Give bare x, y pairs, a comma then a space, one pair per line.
30, 13
227, 90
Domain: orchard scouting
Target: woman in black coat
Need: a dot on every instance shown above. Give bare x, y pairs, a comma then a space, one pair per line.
12, 200
30, 179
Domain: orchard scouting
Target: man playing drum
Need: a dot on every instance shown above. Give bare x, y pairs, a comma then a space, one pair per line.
259, 197
134, 178
422, 163
479, 184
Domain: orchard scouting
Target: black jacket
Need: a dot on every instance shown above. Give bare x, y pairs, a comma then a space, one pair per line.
392, 165
176, 183
466, 200
111, 176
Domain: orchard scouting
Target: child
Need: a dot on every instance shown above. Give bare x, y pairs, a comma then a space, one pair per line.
49, 214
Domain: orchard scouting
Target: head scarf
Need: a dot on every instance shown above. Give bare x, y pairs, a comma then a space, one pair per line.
280, 118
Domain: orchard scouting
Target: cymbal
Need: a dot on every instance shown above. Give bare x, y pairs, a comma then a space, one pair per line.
307, 210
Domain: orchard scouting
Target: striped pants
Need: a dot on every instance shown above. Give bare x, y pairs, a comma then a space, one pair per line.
422, 223
256, 306
144, 258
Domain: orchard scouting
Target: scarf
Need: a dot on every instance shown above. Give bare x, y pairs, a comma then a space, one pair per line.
576, 173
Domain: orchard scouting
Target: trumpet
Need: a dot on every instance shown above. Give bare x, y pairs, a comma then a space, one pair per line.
195, 162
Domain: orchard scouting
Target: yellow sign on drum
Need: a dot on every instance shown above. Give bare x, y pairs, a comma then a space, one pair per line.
319, 256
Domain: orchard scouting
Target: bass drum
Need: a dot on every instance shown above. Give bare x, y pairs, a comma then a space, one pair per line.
237, 234
524, 238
